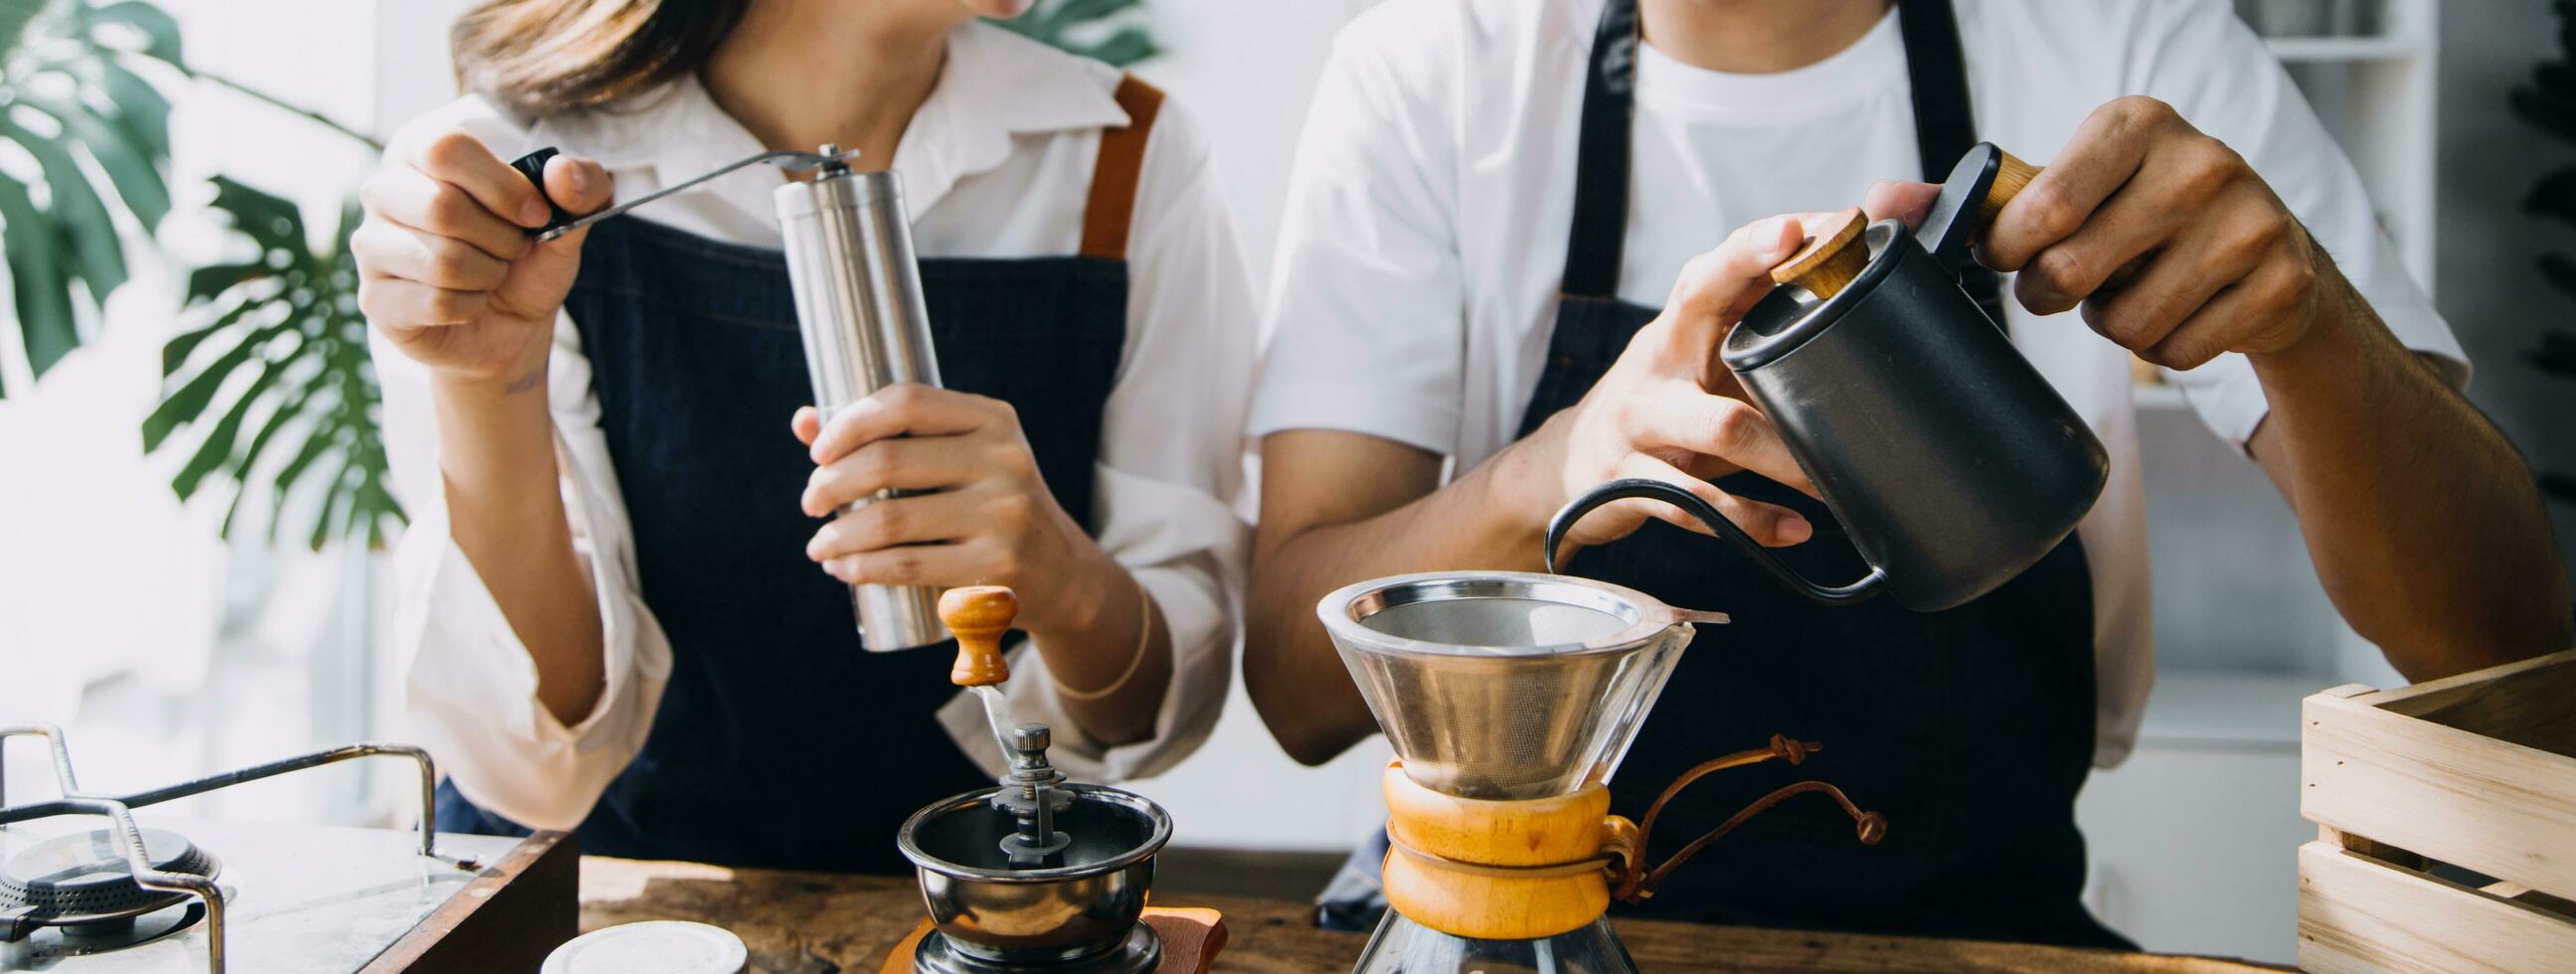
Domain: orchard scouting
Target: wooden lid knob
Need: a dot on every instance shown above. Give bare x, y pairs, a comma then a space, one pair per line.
978, 615
1832, 257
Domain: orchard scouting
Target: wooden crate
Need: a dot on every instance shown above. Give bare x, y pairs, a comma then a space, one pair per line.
2477, 771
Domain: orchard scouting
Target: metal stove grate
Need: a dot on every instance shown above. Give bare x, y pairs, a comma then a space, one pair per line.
159, 869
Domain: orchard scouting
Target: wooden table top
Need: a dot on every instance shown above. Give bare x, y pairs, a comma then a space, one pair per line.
812, 923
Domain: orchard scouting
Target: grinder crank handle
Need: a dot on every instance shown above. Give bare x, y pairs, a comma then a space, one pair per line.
533, 166
978, 615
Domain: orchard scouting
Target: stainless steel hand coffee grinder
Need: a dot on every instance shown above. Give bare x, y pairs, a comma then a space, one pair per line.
1037, 874
858, 305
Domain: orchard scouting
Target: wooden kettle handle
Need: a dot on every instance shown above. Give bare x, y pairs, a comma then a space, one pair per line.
2011, 177
978, 615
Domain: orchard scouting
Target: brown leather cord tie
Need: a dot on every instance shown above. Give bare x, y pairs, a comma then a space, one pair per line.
1635, 884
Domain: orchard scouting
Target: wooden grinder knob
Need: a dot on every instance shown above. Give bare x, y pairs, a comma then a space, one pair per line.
978, 615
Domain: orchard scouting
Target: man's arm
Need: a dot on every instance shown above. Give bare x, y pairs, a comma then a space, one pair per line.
2423, 523
1337, 507
1340, 507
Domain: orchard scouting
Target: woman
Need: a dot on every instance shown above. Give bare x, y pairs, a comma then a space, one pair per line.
621, 610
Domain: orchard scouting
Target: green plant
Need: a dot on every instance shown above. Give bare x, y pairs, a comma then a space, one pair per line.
2549, 102
72, 94
284, 345
1091, 28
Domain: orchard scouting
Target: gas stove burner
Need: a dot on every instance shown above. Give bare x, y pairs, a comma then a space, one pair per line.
82, 879
37, 948
1139, 952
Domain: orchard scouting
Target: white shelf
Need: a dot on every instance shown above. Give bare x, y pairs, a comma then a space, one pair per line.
2312, 50
2160, 395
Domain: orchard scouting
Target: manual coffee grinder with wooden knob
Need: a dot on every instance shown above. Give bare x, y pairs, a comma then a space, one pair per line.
1037, 874
1510, 698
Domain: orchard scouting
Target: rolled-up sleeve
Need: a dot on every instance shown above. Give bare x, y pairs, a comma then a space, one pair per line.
1170, 468
2219, 76
1367, 309
470, 689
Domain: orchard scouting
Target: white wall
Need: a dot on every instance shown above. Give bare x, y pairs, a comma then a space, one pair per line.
126, 620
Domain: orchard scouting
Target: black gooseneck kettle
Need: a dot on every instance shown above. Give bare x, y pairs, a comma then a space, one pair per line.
1953, 465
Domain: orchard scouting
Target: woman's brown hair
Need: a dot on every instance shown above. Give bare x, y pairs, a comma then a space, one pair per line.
542, 57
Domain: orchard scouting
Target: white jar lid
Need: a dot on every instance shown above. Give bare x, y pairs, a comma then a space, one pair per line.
651, 947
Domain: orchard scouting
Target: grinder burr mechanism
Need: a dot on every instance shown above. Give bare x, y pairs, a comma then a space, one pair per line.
859, 307
1038, 873
1950, 461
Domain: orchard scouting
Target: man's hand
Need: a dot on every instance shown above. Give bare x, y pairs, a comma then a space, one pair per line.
1662, 411
2228, 268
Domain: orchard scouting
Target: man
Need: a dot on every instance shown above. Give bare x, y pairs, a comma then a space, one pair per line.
1488, 195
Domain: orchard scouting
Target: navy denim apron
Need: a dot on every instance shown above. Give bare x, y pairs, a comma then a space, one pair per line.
780, 742
1971, 730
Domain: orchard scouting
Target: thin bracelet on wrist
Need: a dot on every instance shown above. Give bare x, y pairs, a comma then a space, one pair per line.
1144, 640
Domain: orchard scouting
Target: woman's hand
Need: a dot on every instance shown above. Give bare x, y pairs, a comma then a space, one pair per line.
446, 267
988, 519
1664, 410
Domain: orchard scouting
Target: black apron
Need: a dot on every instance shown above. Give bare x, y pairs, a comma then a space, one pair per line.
780, 742
1971, 729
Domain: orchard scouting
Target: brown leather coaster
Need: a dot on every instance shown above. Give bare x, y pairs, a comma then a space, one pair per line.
1191, 938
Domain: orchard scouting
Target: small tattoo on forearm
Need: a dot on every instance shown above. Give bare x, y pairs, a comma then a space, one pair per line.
525, 382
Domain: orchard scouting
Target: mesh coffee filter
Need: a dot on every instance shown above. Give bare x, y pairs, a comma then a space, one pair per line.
1506, 685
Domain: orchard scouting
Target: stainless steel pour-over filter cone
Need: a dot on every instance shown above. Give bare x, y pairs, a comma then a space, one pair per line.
1507, 685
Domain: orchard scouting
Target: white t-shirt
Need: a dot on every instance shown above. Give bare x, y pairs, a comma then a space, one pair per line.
996, 163
1425, 227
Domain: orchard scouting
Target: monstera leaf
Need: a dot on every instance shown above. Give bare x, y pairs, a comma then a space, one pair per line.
79, 128
283, 349
1085, 27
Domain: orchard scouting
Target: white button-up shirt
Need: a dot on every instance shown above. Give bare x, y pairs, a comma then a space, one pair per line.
1425, 230
996, 163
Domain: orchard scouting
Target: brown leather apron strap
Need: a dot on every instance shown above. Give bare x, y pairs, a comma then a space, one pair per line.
1112, 206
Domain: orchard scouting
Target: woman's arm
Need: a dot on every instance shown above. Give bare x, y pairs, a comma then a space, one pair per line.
1141, 695
532, 671
451, 279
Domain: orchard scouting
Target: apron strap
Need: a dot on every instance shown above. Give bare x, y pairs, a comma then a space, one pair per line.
1945, 125
1601, 157
1944, 129
1112, 204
